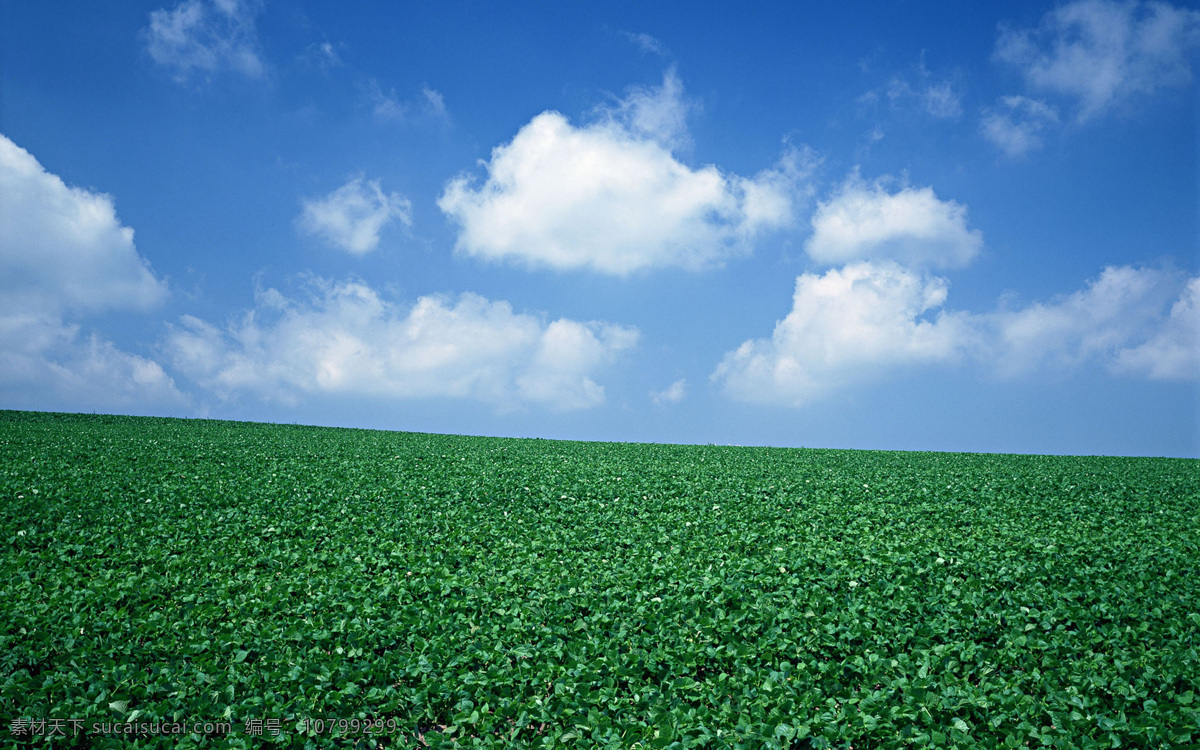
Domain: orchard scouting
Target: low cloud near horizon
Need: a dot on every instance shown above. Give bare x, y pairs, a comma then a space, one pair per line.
64, 257
343, 337
869, 321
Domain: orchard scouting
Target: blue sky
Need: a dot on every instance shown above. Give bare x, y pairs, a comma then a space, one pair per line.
921, 226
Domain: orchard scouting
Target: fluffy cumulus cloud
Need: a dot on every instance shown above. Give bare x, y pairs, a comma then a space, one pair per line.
844, 326
344, 338
1173, 353
1101, 53
206, 36
865, 221
352, 217
1016, 124
612, 197
65, 255
868, 320
1119, 319
62, 248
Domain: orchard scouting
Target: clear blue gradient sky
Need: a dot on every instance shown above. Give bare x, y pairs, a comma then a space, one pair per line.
896, 225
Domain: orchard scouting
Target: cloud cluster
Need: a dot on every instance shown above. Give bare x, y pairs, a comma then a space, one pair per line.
881, 311
864, 221
344, 338
45, 363
352, 217
64, 255
1102, 53
868, 320
206, 36
1091, 56
611, 196
1121, 307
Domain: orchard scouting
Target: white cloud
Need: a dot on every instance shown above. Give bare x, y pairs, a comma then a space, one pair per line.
435, 103
611, 197
863, 221
47, 364
938, 99
656, 113
672, 394
344, 338
918, 89
352, 217
64, 254
865, 321
566, 352
324, 56
62, 248
1173, 353
845, 327
1122, 309
206, 36
388, 106
1015, 125
1103, 53
645, 42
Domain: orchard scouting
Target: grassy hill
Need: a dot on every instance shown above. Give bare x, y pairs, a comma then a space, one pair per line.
363, 588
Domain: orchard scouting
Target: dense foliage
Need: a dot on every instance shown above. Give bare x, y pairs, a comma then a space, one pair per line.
486, 592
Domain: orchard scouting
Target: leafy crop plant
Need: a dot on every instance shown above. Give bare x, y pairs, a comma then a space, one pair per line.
194, 583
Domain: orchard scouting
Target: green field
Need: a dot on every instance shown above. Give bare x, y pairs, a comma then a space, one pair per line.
483, 592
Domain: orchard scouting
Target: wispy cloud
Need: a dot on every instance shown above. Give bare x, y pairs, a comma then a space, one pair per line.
323, 55
645, 42
672, 394
206, 36
388, 106
921, 91
1101, 53
938, 99
656, 113
353, 216
1016, 123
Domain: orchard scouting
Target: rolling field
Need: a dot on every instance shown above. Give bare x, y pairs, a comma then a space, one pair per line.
313, 587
